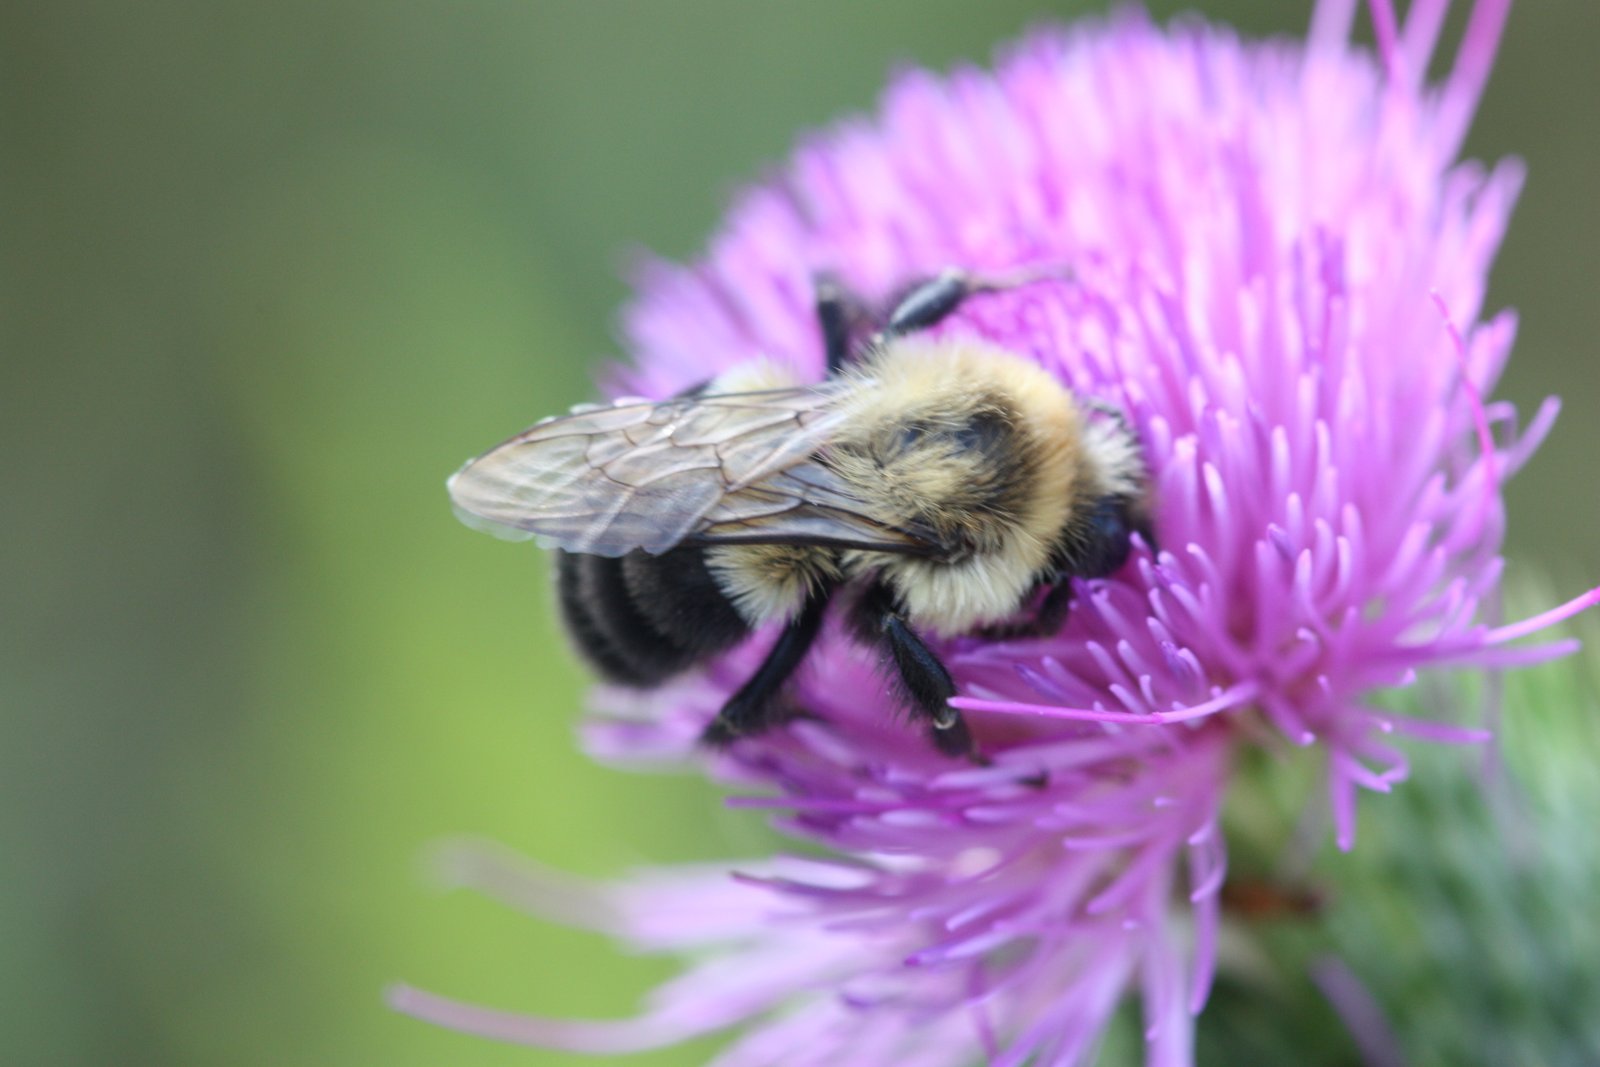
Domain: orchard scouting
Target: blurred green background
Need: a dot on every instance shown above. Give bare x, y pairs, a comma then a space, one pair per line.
270, 271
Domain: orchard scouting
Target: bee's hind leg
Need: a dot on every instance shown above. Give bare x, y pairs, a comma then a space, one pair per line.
750, 710
924, 680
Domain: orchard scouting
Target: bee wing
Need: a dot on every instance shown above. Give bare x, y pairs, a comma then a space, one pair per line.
713, 469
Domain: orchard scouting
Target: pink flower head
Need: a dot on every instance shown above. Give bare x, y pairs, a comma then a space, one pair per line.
1275, 269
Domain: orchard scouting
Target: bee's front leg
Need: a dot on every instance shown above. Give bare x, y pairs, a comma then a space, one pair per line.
924, 305
839, 314
929, 303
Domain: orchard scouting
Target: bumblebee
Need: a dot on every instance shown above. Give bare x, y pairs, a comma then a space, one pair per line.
929, 486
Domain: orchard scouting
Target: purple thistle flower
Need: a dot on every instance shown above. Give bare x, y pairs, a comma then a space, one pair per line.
1277, 272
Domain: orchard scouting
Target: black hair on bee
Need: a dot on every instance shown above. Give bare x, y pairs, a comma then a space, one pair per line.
930, 486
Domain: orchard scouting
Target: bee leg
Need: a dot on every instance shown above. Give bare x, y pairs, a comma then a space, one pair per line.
1108, 549
924, 680
1054, 608
749, 711
927, 682
929, 303
924, 305
838, 314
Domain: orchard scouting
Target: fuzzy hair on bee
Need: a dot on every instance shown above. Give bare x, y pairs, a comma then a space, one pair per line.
930, 487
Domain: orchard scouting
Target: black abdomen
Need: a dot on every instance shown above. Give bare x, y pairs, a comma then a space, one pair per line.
640, 619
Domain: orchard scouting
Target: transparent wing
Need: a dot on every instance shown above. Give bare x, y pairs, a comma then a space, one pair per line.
733, 468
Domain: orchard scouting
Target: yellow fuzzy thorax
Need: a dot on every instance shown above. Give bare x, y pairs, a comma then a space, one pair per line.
1012, 534
957, 443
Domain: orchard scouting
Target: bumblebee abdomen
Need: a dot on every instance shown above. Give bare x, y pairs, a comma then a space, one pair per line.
640, 619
